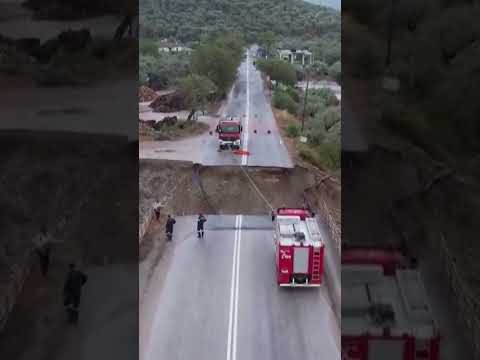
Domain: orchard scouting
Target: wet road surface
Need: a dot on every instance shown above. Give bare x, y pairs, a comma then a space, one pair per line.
262, 140
219, 300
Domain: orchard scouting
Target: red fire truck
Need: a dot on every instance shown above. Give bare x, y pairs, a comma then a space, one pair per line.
229, 133
299, 248
385, 311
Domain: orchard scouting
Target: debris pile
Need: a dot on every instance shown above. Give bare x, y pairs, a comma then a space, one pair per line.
146, 94
169, 103
158, 125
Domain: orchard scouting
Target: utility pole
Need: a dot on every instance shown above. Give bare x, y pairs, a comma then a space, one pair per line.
305, 99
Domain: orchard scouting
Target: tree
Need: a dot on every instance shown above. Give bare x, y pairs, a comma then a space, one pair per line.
283, 101
327, 96
267, 40
196, 89
279, 70
165, 68
218, 61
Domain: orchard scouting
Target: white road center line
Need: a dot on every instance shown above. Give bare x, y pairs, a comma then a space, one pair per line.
233, 313
237, 281
232, 291
247, 113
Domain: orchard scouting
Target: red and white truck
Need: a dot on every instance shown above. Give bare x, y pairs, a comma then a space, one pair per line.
229, 133
385, 310
299, 249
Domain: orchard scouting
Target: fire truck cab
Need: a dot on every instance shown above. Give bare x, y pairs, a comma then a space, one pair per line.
385, 311
229, 132
299, 248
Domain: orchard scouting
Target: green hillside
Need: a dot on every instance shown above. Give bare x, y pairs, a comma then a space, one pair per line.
187, 20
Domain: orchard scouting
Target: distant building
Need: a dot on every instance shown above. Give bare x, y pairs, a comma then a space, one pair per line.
261, 53
294, 56
172, 47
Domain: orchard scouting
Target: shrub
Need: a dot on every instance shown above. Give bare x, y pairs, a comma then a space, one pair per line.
148, 47
293, 93
293, 130
283, 101
327, 96
329, 154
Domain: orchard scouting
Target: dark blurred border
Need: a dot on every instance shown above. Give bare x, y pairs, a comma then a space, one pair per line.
69, 173
410, 137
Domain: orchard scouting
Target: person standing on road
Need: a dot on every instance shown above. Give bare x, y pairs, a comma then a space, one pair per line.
156, 209
169, 227
43, 247
200, 222
72, 291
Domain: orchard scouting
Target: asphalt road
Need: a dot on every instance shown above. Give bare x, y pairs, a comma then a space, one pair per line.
218, 300
261, 137
108, 323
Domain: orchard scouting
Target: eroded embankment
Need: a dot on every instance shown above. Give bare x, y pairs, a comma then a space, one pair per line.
186, 190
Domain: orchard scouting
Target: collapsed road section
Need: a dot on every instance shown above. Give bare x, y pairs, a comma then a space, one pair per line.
231, 271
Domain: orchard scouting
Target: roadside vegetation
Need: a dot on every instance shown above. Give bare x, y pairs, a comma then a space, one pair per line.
434, 58
214, 58
168, 131
270, 23
322, 129
207, 73
201, 77
171, 19
319, 141
160, 70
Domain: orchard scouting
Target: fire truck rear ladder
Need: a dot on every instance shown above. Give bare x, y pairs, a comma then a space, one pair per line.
314, 231
316, 265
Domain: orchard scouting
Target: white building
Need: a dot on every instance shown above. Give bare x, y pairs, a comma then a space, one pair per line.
301, 57
172, 48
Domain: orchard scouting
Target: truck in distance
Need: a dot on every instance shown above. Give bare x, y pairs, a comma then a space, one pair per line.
229, 132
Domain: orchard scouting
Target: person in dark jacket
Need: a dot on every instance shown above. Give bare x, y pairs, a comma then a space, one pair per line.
169, 227
200, 222
72, 291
